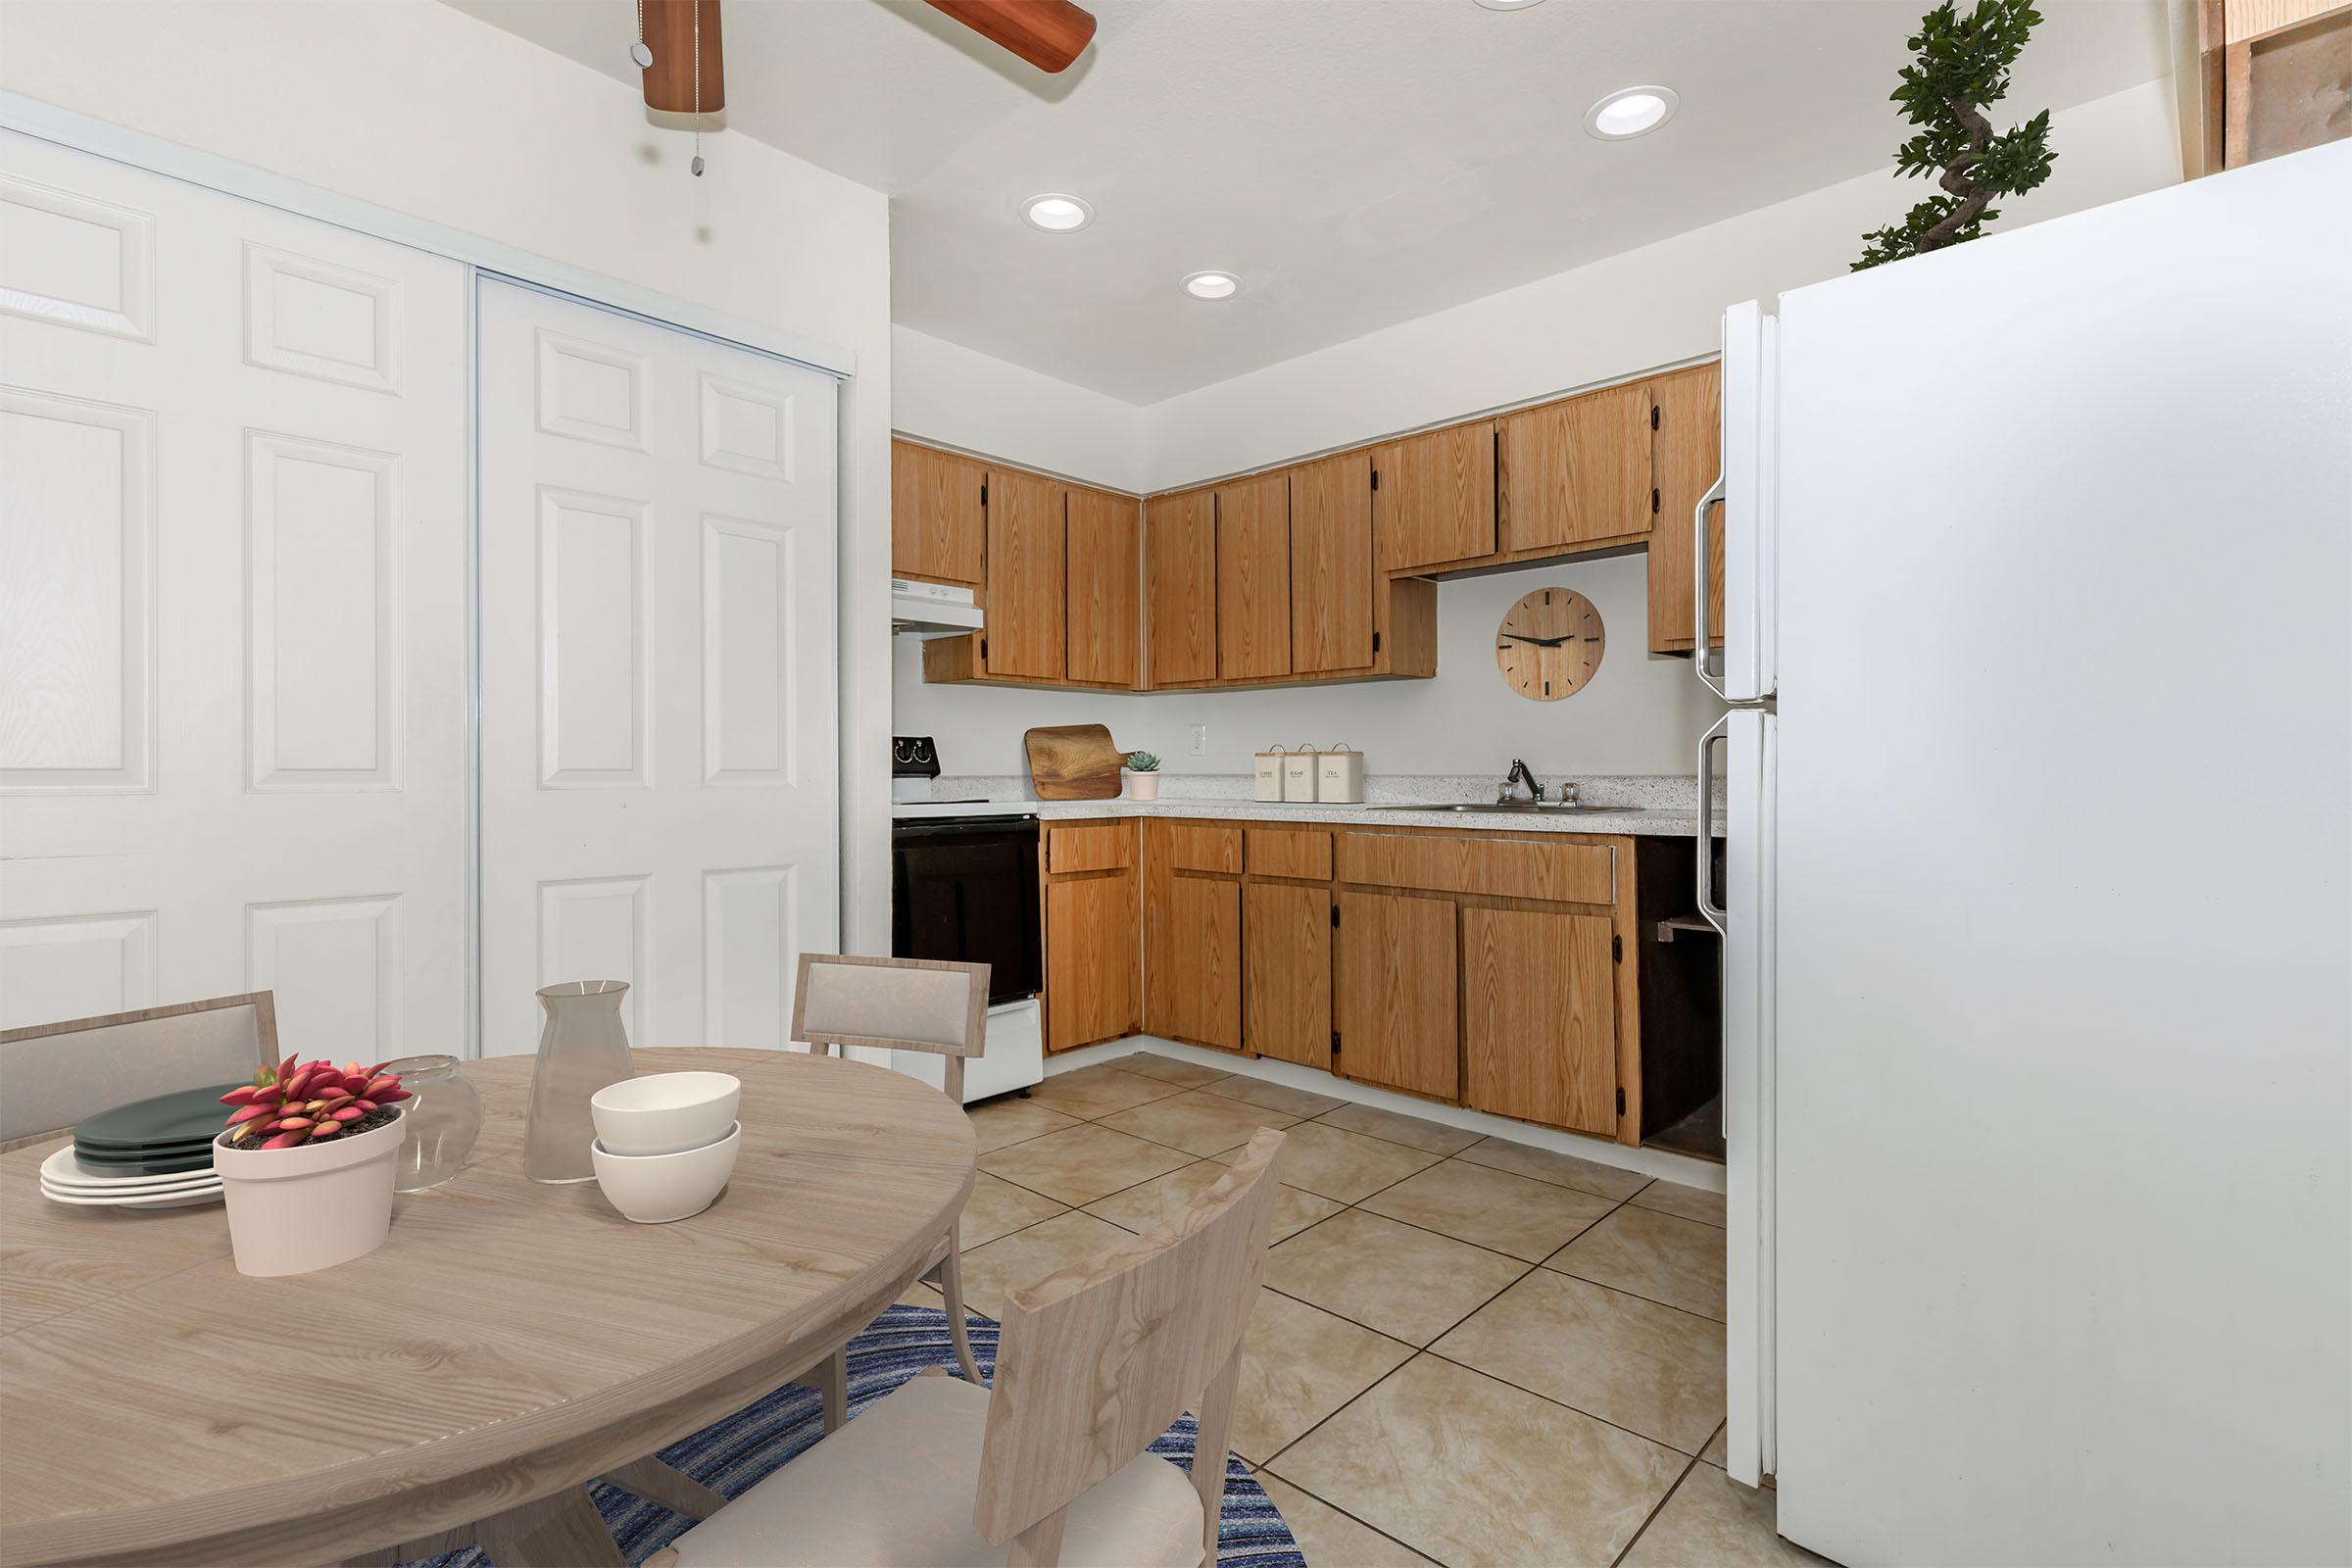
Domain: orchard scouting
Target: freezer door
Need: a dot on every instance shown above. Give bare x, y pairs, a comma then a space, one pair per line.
1740, 507
1748, 747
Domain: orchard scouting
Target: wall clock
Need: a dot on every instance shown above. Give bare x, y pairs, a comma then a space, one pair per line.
1549, 644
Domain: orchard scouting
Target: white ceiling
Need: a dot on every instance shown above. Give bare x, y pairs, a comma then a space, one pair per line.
1356, 162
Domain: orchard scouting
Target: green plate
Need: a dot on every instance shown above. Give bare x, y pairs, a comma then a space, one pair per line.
173, 1121
145, 1165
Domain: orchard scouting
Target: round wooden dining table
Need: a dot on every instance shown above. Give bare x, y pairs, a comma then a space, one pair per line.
508, 1344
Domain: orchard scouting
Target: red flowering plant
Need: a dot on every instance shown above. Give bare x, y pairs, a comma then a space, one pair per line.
306, 1103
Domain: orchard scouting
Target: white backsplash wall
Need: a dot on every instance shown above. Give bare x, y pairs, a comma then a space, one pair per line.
1638, 716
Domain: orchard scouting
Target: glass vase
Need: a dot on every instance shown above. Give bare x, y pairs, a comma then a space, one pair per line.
582, 1048
444, 1119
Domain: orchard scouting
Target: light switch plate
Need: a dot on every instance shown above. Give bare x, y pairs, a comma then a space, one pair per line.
1200, 740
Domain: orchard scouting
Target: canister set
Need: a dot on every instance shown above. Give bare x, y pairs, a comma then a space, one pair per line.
1333, 777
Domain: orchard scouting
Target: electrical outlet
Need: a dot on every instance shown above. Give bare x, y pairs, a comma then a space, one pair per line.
1200, 740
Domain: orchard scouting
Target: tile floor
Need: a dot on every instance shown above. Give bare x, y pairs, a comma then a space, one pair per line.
1468, 1351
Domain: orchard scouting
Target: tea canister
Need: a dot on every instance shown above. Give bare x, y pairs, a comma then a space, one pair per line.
1340, 776
1298, 775
1269, 775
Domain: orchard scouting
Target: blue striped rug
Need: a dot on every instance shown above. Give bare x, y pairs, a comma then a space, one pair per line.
731, 1455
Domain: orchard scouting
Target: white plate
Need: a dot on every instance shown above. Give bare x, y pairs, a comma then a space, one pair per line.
62, 1170
202, 1195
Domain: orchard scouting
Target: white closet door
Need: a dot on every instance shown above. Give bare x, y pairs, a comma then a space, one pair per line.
232, 641
660, 801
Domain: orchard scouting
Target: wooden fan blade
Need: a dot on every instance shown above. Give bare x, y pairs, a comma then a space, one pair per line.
669, 33
1048, 33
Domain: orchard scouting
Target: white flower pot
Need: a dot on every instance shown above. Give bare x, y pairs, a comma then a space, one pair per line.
1143, 786
295, 1211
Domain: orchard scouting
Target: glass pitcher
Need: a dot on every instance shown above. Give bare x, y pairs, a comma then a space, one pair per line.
443, 1121
582, 1048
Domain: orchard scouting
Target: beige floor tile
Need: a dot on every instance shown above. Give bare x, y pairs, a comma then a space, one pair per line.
1714, 1520
1493, 1209
1298, 1364
1276, 1096
1688, 1203
1198, 1121
1013, 1120
1345, 1165
1714, 1451
918, 1295
1651, 1369
1099, 1090
1032, 1254
1410, 1130
1544, 1165
1412, 1285
996, 1208
1473, 1472
1329, 1538
1080, 1165
1139, 1208
1678, 1261
1169, 1070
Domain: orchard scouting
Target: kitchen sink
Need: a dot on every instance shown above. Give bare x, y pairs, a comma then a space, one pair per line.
1512, 808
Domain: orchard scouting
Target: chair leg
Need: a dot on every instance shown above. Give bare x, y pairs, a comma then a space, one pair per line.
833, 1382
950, 1290
672, 1489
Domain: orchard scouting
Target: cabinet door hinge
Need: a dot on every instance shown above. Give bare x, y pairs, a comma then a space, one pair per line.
1375, 479
1654, 503
983, 651
1617, 949
984, 492
1335, 1044
1620, 1100
1376, 642
1653, 416
1334, 917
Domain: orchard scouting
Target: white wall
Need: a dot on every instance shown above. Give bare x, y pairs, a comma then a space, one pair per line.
415, 107
1656, 306
960, 397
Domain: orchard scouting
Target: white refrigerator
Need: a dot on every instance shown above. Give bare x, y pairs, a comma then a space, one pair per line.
2037, 891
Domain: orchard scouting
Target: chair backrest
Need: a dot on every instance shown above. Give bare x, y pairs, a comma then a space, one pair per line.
932, 1005
52, 1075
1094, 1361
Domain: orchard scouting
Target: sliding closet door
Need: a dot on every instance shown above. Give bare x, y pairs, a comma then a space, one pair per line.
233, 640
658, 673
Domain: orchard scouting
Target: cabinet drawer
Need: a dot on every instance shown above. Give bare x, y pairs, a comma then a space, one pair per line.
1281, 851
1202, 848
1511, 869
1094, 847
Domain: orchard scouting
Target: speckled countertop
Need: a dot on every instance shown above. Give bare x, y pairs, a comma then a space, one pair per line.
1659, 804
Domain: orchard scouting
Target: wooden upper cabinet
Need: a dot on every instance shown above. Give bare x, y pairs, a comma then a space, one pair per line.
1436, 496
1331, 565
1253, 578
1106, 638
1180, 586
1689, 458
936, 517
1575, 471
1023, 599
1539, 1017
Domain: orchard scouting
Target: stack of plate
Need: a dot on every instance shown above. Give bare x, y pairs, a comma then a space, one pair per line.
151, 1153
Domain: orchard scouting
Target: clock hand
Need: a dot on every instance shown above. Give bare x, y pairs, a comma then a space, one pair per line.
1540, 642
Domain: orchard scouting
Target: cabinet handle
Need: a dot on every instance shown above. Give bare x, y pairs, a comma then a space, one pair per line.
1716, 914
1700, 630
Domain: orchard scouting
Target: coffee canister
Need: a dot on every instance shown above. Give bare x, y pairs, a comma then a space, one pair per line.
1298, 775
1269, 775
1340, 776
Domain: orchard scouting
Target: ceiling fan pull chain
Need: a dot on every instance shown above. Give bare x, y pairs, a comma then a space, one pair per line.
697, 165
638, 52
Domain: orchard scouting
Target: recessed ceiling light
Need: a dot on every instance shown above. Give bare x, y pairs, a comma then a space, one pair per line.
1510, 4
1631, 112
1056, 214
1212, 285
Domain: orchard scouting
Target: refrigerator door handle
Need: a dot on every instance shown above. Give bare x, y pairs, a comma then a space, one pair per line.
1700, 632
1716, 914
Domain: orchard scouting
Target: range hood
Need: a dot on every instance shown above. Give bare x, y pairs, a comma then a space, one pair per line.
931, 609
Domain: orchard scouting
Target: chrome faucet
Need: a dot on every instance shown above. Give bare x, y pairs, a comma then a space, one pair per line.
1517, 776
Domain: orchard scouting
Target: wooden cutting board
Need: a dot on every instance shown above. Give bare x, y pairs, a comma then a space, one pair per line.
1074, 763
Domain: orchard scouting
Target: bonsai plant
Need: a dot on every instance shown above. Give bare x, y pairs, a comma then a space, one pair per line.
307, 1165
1143, 783
1961, 65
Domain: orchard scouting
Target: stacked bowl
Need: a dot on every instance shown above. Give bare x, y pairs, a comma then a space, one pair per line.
149, 1153
665, 1143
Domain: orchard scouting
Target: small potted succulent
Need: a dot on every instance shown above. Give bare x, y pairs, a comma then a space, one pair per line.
1143, 776
307, 1165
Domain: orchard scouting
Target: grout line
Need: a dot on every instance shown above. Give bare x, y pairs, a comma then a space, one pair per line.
1574, 1409
1254, 1469
1656, 1508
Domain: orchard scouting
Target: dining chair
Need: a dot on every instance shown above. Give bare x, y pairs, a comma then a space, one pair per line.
1093, 1363
53, 1075
930, 1005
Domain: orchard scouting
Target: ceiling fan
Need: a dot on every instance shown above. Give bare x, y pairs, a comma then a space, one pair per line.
685, 73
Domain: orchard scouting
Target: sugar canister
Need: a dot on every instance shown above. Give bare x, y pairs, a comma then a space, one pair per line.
1298, 775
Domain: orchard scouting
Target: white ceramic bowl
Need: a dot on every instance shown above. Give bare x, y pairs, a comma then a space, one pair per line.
655, 1189
666, 1112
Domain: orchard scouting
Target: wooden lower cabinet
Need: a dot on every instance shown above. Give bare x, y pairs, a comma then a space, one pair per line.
1394, 993
1093, 910
1192, 939
1539, 1017
1286, 971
